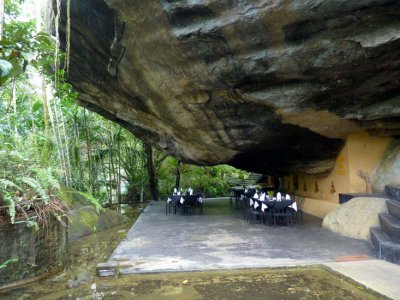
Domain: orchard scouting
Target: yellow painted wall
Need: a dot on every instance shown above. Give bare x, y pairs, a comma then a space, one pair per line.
361, 151
365, 153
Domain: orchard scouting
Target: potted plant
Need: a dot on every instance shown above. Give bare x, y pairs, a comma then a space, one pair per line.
367, 178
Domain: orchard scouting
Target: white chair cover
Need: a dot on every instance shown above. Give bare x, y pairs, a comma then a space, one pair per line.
278, 197
263, 207
294, 206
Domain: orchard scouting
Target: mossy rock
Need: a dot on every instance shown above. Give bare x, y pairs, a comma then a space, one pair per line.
73, 198
86, 220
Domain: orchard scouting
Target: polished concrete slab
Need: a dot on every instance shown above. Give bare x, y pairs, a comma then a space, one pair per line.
222, 239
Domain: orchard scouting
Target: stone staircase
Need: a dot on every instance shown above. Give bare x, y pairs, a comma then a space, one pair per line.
386, 239
253, 179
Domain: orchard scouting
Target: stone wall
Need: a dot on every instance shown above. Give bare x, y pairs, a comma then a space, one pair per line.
38, 251
361, 151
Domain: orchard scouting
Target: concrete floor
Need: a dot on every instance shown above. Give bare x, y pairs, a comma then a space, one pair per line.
221, 239
381, 276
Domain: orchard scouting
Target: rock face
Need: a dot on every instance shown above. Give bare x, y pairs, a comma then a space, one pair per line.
356, 217
388, 170
85, 221
268, 86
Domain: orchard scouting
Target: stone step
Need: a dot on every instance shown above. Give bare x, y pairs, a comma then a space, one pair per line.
394, 208
393, 191
391, 226
385, 247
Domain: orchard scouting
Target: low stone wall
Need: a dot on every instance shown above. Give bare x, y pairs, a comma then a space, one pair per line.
38, 252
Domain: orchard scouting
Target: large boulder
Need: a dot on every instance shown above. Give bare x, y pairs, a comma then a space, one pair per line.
268, 86
86, 220
388, 169
356, 217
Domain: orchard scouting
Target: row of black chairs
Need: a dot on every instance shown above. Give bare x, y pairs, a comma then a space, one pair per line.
277, 211
191, 204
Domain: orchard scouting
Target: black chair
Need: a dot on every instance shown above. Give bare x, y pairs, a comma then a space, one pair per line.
199, 203
266, 215
173, 204
238, 194
300, 205
255, 214
281, 210
189, 205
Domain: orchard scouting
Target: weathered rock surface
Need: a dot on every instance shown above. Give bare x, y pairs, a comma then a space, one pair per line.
86, 220
388, 169
356, 217
263, 85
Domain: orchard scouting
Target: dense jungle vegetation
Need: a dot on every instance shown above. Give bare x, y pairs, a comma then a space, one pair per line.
48, 142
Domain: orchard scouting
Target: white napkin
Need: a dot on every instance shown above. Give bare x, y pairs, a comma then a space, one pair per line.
262, 197
263, 207
178, 193
255, 196
182, 200
251, 202
190, 191
201, 200
175, 190
169, 200
278, 197
256, 205
294, 206
287, 197
245, 190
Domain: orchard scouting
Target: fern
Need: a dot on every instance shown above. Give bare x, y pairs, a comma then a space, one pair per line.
33, 183
8, 183
47, 179
7, 262
9, 201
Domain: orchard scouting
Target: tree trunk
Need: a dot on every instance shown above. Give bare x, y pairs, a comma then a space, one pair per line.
178, 175
150, 170
46, 117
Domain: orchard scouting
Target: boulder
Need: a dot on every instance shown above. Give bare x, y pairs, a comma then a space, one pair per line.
388, 169
267, 86
356, 217
86, 220
83, 217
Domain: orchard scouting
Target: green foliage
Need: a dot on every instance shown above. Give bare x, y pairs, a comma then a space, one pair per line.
213, 181
7, 262
47, 139
20, 46
92, 199
37, 187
